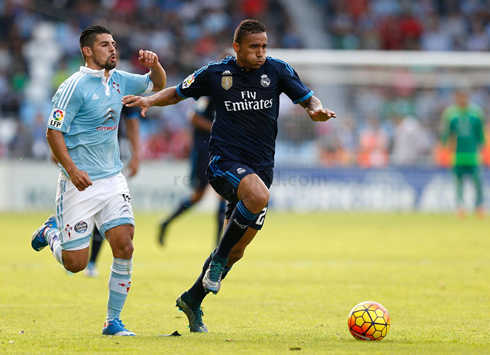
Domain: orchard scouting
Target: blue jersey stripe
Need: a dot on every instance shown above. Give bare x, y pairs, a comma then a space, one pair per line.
67, 87
217, 172
222, 61
286, 64
232, 179
181, 94
304, 97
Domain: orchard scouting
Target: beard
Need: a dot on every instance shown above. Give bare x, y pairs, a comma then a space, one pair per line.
107, 65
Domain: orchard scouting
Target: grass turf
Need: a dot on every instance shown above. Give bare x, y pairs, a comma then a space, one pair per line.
292, 291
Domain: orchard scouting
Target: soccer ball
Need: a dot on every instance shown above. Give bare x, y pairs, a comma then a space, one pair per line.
369, 321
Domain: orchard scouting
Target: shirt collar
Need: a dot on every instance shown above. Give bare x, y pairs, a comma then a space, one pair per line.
96, 73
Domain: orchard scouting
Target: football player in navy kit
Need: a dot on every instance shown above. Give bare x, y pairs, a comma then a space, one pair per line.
245, 90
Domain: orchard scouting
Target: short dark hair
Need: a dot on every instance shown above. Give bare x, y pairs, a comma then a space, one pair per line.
248, 27
88, 36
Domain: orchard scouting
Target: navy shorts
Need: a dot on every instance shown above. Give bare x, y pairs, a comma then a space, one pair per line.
199, 161
225, 175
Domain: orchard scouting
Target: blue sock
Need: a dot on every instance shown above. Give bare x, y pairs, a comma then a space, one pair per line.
240, 220
119, 285
197, 290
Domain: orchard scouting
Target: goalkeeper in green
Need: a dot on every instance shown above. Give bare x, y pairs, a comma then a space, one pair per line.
463, 124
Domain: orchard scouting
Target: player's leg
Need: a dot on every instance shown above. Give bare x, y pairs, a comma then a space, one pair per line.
97, 240
116, 223
72, 257
458, 174
120, 239
68, 234
253, 196
221, 219
190, 301
477, 180
184, 206
198, 179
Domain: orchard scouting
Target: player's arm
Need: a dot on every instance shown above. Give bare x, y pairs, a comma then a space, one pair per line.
315, 109
166, 97
481, 133
158, 76
58, 146
133, 134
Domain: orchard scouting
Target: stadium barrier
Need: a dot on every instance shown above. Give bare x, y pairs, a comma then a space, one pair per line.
30, 186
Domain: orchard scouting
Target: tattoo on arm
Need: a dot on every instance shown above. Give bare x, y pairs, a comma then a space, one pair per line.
311, 104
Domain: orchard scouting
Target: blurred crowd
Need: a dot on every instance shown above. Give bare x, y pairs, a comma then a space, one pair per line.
379, 126
430, 25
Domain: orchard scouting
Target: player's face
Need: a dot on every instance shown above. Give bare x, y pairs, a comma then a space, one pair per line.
461, 98
104, 52
250, 54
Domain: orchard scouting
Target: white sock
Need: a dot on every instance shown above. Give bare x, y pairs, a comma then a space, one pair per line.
119, 285
54, 244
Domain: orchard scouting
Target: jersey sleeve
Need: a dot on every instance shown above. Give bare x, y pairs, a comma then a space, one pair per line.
195, 85
66, 104
292, 85
136, 84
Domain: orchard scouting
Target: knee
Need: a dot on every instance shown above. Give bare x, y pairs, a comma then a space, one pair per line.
258, 200
128, 250
123, 251
74, 266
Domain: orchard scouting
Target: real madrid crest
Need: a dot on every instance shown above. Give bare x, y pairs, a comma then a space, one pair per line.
226, 80
264, 80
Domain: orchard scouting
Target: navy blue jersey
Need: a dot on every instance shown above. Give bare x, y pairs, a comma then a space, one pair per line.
247, 106
204, 108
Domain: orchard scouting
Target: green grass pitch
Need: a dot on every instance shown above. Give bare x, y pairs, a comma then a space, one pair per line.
291, 292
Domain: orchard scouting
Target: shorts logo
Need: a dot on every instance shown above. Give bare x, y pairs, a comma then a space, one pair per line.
188, 81
56, 118
227, 80
68, 230
265, 81
81, 227
240, 170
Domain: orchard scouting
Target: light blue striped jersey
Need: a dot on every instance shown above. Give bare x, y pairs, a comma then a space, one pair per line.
87, 109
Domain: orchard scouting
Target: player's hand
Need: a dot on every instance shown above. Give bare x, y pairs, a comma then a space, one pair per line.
148, 59
133, 166
321, 115
80, 179
132, 101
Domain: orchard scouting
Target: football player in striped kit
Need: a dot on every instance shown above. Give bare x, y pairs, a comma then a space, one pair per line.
82, 134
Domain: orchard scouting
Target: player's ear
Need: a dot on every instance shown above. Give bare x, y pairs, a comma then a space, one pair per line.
87, 51
236, 47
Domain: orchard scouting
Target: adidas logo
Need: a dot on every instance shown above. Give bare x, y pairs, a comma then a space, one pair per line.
95, 97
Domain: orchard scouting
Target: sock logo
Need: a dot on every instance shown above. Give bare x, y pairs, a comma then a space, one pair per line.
242, 226
126, 285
